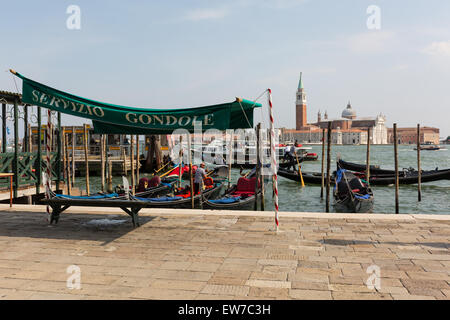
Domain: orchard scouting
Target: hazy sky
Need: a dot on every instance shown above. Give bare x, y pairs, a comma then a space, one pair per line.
166, 54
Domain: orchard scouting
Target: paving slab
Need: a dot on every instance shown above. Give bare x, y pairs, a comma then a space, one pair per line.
193, 254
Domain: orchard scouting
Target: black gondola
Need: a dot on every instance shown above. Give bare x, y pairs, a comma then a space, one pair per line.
181, 199
239, 197
374, 169
406, 177
147, 187
351, 194
308, 177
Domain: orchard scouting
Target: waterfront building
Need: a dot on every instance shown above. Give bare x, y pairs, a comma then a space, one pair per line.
409, 135
347, 129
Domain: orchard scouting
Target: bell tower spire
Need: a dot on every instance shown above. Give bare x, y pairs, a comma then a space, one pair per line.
300, 106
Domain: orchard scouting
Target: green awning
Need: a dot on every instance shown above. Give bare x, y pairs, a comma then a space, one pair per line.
111, 118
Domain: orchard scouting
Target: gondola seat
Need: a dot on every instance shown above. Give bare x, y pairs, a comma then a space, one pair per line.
245, 187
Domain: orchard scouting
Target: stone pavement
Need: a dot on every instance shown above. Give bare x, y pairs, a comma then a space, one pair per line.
190, 254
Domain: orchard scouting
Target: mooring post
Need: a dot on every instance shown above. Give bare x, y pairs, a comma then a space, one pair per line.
30, 139
396, 168
86, 158
419, 170
191, 181
25, 127
39, 152
180, 169
58, 152
230, 158
69, 182
124, 156
138, 163
133, 181
74, 143
4, 137
64, 159
328, 167
110, 187
16, 148
261, 168
368, 157
102, 161
323, 164
258, 168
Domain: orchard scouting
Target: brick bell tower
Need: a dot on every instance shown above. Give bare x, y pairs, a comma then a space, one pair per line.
300, 107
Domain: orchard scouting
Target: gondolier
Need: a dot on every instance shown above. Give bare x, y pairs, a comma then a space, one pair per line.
200, 174
290, 154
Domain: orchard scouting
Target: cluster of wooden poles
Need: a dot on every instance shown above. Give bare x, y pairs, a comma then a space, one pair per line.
106, 162
328, 172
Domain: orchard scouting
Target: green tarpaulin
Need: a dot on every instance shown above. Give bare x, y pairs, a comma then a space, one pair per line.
110, 118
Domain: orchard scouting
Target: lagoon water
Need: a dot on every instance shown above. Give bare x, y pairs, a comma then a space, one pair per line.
292, 197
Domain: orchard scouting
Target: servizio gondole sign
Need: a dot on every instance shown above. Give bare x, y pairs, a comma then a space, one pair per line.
110, 118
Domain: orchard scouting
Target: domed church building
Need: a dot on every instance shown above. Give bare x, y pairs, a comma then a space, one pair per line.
347, 129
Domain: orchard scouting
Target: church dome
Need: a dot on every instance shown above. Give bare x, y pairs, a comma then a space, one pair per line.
348, 112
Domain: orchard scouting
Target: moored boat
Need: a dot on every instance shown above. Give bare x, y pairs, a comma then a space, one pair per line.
182, 197
351, 194
375, 179
239, 197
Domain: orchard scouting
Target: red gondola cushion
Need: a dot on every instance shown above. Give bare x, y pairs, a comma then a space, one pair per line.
155, 181
246, 185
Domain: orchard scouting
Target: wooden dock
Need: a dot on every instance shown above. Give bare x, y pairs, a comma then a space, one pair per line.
95, 166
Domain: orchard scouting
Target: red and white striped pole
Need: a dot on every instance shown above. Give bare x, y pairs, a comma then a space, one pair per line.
273, 156
48, 163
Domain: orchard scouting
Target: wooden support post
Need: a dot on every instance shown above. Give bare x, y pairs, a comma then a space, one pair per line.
191, 181
258, 168
327, 207
86, 158
74, 143
67, 165
64, 159
396, 168
323, 164
4, 136
368, 157
138, 158
16, 148
261, 176
30, 139
25, 127
39, 152
133, 181
149, 142
230, 158
58, 152
106, 156
110, 188
158, 152
419, 169
180, 169
124, 158
102, 161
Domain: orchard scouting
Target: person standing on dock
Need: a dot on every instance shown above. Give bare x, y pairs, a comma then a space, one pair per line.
200, 174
